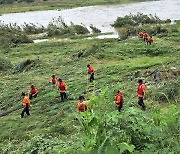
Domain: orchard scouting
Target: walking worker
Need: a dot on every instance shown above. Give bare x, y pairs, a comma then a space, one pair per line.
33, 92
25, 104
145, 35
140, 34
81, 107
150, 40
141, 90
119, 100
53, 80
62, 87
91, 72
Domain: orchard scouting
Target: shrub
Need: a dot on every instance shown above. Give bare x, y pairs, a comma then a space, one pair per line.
53, 30
133, 31
78, 29
95, 29
57, 27
132, 24
19, 38
128, 131
123, 36
166, 93
60, 28
11, 35
135, 20
32, 29
24, 66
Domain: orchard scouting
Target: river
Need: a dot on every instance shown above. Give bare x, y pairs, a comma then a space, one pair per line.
99, 16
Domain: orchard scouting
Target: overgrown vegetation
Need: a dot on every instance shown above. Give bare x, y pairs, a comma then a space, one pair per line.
130, 130
55, 127
32, 28
24, 66
11, 35
136, 20
59, 27
131, 25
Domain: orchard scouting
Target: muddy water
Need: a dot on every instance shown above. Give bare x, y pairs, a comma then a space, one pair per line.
99, 16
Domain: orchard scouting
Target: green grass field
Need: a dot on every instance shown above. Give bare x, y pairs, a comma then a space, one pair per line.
52, 126
52, 5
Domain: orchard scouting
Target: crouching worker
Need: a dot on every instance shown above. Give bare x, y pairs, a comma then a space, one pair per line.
62, 87
81, 107
33, 92
140, 34
141, 89
53, 80
119, 100
25, 104
150, 40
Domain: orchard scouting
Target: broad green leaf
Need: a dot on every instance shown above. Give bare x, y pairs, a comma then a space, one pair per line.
124, 146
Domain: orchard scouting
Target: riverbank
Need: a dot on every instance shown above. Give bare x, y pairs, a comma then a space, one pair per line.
56, 127
49, 5
101, 16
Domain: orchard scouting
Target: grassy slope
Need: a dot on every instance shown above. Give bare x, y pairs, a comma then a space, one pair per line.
114, 61
49, 5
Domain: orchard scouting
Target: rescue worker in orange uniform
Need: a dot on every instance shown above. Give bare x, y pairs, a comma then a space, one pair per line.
150, 40
25, 104
141, 90
53, 80
62, 87
145, 35
33, 92
119, 100
81, 107
91, 72
140, 34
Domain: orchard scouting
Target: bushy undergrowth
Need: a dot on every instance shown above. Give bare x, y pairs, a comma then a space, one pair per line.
12, 35
165, 93
78, 29
136, 20
131, 25
55, 28
24, 66
130, 130
60, 28
32, 28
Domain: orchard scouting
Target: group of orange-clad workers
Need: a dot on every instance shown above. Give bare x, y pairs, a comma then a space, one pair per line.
148, 39
81, 106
